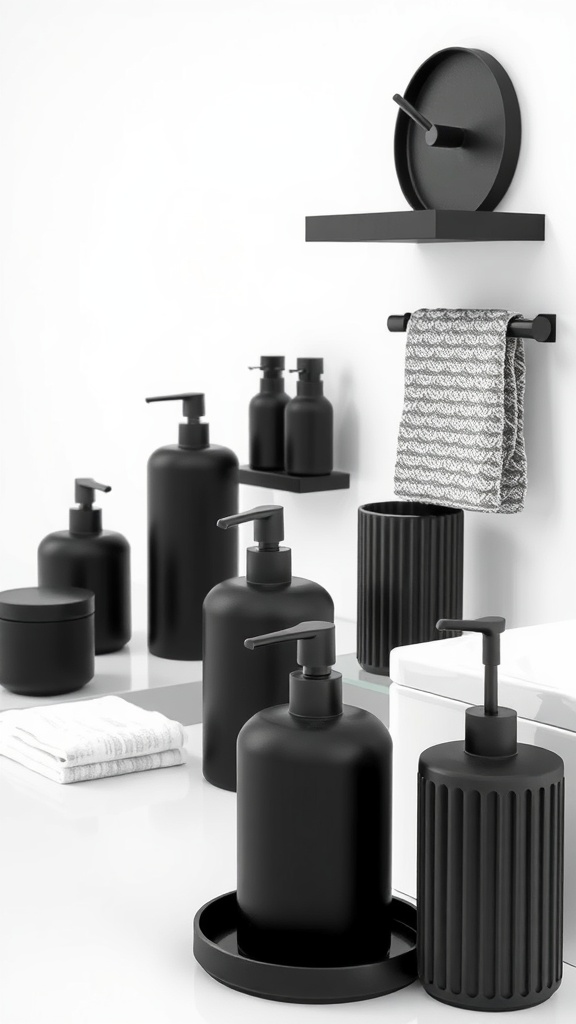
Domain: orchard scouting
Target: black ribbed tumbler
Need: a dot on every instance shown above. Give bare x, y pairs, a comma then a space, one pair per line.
410, 568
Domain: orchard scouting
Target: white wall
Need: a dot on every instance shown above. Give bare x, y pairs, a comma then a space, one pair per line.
158, 159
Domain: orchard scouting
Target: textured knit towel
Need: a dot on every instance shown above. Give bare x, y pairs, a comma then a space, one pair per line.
90, 739
461, 440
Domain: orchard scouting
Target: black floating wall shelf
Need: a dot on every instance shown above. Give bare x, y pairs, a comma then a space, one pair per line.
335, 481
456, 147
541, 328
427, 226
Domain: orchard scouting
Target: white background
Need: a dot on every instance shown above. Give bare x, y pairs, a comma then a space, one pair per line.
158, 160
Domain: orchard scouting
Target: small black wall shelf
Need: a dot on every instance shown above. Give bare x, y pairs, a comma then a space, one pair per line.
335, 481
427, 226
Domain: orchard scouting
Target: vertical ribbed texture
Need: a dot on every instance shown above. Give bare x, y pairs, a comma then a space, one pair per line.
410, 569
490, 894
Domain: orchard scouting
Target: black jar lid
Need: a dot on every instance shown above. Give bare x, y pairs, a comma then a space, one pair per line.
46, 604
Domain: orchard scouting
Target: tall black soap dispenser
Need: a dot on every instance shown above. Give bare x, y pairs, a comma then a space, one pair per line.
87, 556
266, 416
269, 597
314, 819
490, 855
190, 485
309, 423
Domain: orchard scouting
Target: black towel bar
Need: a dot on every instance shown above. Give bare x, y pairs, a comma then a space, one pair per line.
541, 328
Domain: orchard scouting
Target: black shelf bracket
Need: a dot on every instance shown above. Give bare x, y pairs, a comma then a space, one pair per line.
541, 328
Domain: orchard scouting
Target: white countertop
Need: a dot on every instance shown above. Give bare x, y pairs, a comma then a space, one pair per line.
101, 881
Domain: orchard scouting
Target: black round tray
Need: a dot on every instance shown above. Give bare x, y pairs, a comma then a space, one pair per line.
216, 950
466, 89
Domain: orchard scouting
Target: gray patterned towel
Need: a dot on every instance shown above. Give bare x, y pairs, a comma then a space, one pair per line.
461, 440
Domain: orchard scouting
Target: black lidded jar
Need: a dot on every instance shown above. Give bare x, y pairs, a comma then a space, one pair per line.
490, 857
190, 486
87, 556
235, 685
309, 424
314, 820
46, 640
266, 416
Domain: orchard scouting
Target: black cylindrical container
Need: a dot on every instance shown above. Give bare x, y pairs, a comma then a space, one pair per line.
87, 556
314, 807
309, 424
190, 486
490, 860
266, 416
235, 685
410, 573
46, 640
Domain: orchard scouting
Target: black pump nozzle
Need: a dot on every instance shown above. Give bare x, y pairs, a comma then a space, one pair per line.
316, 653
316, 645
84, 487
309, 370
272, 367
490, 730
268, 525
268, 564
86, 519
191, 434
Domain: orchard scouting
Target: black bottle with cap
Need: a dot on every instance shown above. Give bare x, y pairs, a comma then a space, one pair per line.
266, 416
309, 424
314, 818
190, 486
89, 557
269, 597
490, 856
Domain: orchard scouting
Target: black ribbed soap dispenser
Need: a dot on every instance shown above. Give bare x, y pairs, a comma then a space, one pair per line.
314, 819
87, 556
269, 597
266, 416
490, 856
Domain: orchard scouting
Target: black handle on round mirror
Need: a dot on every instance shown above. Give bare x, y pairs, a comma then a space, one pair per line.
443, 136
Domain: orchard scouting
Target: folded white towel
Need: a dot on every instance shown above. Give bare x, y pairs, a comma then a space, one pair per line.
91, 739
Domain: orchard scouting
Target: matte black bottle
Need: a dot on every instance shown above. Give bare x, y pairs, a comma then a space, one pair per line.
190, 486
309, 424
314, 819
490, 857
91, 558
235, 686
266, 416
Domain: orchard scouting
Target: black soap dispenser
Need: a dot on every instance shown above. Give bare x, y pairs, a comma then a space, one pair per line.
269, 597
490, 856
190, 485
266, 416
94, 559
314, 819
309, 423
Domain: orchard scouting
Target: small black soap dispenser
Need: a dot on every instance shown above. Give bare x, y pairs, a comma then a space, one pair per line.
269, 597
190, 485
490, 856
314, 819
266, 416
309, 424
89, 557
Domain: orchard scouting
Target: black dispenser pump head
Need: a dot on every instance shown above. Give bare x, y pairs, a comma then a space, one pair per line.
309, 376
316, 691
268, 564
491, 731
86, 519
191, 434
272, 368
